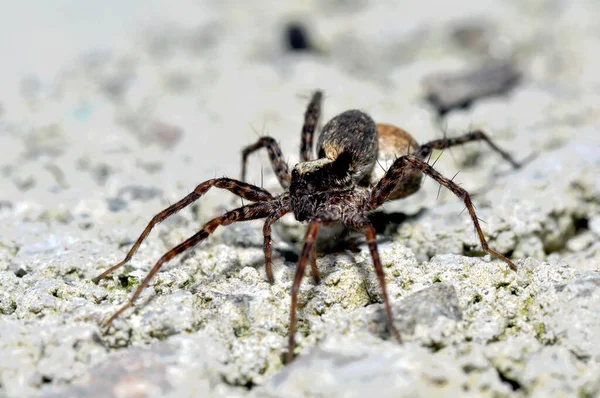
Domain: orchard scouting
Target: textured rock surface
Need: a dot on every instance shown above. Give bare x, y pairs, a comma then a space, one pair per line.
92, 154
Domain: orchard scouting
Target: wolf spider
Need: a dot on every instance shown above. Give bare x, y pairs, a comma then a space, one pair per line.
336, 187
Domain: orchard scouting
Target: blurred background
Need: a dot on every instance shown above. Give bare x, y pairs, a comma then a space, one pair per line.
99, 95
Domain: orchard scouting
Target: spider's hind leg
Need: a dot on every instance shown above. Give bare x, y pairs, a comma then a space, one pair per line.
311, 118
279, 165
242, 189
425, 150
245, 213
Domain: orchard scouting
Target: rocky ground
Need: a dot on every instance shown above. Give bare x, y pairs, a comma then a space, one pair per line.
92, 154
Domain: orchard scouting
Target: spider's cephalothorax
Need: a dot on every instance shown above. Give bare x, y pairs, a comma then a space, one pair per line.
347, 150
340, 186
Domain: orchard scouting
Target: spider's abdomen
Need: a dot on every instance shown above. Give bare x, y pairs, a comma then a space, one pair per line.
393, 143
354, 133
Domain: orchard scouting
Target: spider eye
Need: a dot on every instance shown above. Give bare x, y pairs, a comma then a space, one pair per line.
308, 174
294, 173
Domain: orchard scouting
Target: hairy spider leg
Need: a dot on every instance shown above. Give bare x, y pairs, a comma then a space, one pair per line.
313, 266
311, 118
267, 241
279, 165
268, 250
244, 213
359, 222
395, 173
425, 150
242, 189
309, 242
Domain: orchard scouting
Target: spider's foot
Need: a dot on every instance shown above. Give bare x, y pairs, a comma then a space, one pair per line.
109, 271
510, 264
290, 355
396, 333
106, 325
530, 158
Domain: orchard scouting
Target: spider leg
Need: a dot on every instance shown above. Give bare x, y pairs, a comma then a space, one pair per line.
425, 150
267, 241
313, 265
359, 222
279, 165
309, 242
268, 250
382, 190
311, 118
244, 213
242, 189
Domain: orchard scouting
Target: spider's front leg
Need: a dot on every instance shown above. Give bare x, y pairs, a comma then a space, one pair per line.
309, 243
269, 252
359, 222
267, 241
396, 172
244, 213
352, 220
242, 189
313, 266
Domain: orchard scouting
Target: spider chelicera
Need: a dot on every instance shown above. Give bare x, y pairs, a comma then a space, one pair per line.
337, 187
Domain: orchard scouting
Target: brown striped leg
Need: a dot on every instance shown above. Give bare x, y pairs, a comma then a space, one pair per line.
359, 222
267, 242
311, 118
309, 242
425, 150
313, 266
249, 212
382, 190
242, 189
279, 165
268, 254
